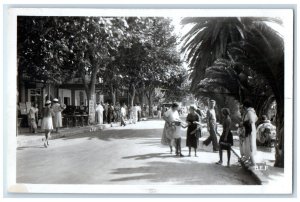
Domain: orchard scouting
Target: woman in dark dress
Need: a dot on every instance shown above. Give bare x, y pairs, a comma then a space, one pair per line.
226, 139
192, 136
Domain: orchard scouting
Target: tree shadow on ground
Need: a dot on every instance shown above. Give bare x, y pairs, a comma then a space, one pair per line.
149, 156
108, 135
31, 147
183, 173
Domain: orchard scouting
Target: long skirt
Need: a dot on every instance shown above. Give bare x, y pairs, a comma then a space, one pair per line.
134, 117
250, 146
47, 123
159, 114
168, 135
57, 120
99, 117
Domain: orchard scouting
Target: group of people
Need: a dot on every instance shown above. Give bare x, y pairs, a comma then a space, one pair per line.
108, 113
172, 131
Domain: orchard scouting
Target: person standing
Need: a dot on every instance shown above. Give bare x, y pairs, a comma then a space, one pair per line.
99, 113
170, 131
249, 120
266, 132
212, 126
226, 139
139, 111
47, 123
134, 113
192, 136
105, 113
32, 116
57, 119
123, 115
159, 112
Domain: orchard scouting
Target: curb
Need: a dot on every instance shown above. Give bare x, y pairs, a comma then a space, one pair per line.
39, 139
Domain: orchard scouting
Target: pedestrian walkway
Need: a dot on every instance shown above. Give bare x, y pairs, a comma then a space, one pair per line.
142, 130
264, 172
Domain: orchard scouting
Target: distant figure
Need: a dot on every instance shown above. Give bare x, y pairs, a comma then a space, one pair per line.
57, 119
193, 131
134, 114
266, 132
105, 113
212, 126
139, 111
32, 117
249, 120
226, 139
159, 112
47, 124
123, 115
99, 113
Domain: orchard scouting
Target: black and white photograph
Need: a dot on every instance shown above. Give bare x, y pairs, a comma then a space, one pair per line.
151, 101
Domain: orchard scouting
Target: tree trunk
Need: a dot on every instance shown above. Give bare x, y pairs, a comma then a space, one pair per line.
150, 101
279, 147
113, 95
132, 95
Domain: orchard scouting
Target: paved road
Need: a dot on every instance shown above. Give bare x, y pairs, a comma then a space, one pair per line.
122, 155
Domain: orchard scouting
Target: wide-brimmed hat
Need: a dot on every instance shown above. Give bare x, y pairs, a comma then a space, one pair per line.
48, 102
55, 100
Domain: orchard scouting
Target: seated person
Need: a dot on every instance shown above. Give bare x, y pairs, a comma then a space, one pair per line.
266, 132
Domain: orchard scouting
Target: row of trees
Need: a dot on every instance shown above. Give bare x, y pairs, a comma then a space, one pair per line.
138, 54
238, 58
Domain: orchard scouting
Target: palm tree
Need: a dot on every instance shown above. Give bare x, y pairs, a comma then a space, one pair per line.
247, 41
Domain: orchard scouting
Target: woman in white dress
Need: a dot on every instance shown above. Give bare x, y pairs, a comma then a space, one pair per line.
57, 119
134, 114
99, 112
172, 131
47, 124
249, 120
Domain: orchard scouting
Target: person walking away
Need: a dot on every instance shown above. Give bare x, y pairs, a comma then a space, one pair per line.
192, 136
57, 119
32, 116
159, 112
226, 139
123, 115
212, 126
47, 123
99, 113
266, 132
249, 120
169, 132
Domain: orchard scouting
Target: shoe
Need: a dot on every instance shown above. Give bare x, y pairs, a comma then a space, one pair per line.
219, 162
196, 155
45, 145
189, 155
181, 155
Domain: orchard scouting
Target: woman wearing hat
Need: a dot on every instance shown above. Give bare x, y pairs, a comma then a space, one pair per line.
47, 124
192, 136
57, 109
